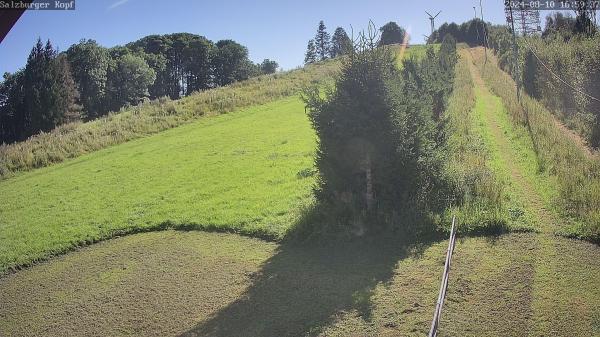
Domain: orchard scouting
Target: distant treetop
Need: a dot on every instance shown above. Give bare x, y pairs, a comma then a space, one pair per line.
391, 33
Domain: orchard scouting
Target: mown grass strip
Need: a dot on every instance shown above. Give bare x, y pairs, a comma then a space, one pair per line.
484, 207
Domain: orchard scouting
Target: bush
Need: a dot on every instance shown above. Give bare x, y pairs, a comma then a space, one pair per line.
381, 141
575, 61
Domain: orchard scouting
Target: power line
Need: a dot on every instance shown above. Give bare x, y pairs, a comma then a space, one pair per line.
558, 77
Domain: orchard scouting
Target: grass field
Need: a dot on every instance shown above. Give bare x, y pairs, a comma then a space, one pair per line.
251, 172
212, 284
483, 207
416, 51
512, 158
246, 172
76, 139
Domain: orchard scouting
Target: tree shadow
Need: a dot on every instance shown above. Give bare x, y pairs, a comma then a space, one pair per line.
301, 289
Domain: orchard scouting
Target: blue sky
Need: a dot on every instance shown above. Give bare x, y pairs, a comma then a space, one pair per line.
275, 29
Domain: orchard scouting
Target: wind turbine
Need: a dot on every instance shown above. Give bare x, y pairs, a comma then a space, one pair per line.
432, 20
426, 38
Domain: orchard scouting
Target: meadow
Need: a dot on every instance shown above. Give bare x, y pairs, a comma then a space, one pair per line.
250, 171
480, 204
75, 139
246, 172
176, 283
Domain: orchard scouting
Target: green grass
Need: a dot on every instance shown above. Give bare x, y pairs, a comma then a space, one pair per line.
529, 191
513, 159
480, 206
251, 172
247, 172
517, 152
211, 284
561, 171
417, 51
76, 139
550, 279
73, 140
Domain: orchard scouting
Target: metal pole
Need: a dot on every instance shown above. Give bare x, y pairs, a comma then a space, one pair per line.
484, 32
515, 63
475, 17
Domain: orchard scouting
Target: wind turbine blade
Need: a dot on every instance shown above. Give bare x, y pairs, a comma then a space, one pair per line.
437, 14
428, 14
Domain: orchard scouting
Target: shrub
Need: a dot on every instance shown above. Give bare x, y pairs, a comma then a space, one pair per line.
380, 154
575, 61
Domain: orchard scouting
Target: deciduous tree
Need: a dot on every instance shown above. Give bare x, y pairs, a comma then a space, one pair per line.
268, 66
128, 80
391, 33
229, 62
89, 65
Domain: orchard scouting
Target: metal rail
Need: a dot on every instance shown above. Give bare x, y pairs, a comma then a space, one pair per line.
444, 286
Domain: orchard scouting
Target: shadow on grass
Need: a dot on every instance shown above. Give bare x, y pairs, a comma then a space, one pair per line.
300, 290
303, 288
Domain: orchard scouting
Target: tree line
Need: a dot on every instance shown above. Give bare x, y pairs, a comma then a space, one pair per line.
88, 80
471, 32
323, 47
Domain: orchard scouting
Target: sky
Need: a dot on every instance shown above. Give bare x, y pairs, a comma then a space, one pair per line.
274, 29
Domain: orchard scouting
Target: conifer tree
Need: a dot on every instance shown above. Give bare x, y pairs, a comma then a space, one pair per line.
322, 41
12, 116
380, 153
340, 43
356, 136
34, 83
65, 92
311, 54
50, 91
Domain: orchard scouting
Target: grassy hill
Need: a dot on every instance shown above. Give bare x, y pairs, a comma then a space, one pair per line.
251, 172
76, 139
247, 171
